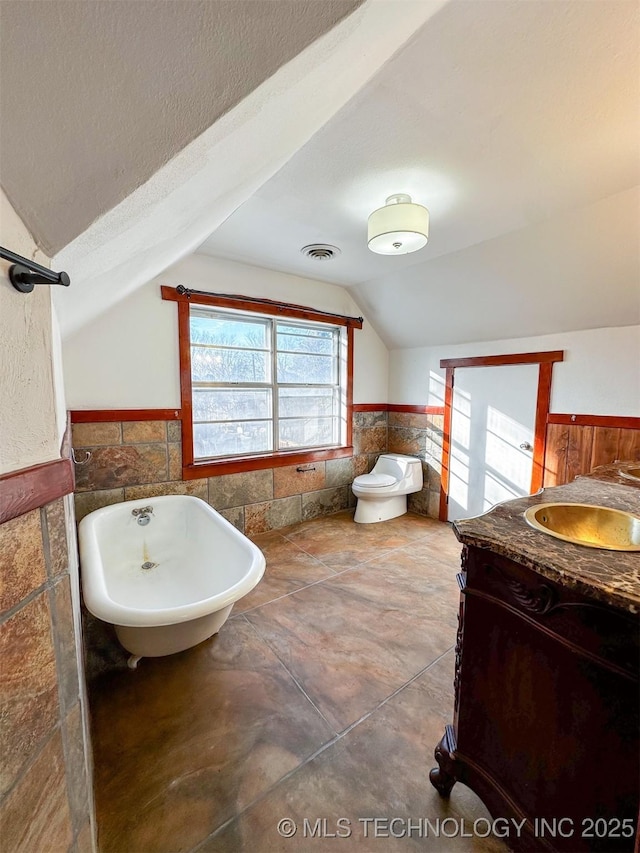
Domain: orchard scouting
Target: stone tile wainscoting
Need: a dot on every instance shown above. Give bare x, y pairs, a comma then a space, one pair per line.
142, 459
418, 434
45, 792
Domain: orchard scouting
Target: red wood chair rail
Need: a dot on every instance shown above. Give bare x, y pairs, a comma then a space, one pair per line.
29, 488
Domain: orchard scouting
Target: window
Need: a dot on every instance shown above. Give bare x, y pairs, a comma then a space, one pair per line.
261, 386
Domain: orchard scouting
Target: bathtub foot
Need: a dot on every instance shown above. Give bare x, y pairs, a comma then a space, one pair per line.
132, 661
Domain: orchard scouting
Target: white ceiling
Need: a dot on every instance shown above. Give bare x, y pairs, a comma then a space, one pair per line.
188, 198
518, 125
97, 96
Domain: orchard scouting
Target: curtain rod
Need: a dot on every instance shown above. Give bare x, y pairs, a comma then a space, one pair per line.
24, 274
188, 292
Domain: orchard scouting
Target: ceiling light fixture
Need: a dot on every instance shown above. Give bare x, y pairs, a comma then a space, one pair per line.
399, 227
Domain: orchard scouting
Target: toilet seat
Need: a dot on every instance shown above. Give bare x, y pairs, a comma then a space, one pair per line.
375, 481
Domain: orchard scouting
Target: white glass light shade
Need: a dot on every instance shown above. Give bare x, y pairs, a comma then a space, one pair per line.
399, 227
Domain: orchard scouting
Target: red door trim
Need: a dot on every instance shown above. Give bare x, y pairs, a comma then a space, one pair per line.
546, 361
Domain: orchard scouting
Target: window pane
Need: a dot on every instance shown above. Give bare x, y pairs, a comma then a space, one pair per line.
297, 339
305, 402
228, 331
233, 404
306, 368
307, 432
209, 364
231, 438
233, 383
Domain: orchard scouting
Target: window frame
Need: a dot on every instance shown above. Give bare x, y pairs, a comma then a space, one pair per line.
192, 469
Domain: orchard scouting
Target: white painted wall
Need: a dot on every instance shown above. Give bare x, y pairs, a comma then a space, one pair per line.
128, 356
31, 415
599, 376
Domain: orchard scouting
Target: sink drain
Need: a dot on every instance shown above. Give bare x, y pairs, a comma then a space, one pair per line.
148, 565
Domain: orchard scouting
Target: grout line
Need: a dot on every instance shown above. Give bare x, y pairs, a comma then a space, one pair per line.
48, 584
291, 675
24, 768
395, 692
329, 578
335, 573
338, 737
292, 592
264, 794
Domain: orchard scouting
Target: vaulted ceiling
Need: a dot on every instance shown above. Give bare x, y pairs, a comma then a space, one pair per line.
138, 132
97, 96
518, 126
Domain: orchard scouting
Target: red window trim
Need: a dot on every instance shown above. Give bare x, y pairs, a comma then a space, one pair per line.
191, 469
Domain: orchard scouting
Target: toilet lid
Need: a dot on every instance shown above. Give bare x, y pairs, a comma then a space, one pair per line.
375, 481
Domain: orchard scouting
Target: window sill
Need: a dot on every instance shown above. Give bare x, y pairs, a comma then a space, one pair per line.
258, 463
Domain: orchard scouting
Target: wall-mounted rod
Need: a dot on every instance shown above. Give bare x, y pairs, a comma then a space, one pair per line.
24, 274
181, 290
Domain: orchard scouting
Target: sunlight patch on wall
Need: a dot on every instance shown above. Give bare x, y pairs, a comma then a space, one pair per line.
435, 396
459, 477
460, 446
508, 465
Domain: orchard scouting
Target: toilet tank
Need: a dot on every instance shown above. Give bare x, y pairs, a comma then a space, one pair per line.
400, 467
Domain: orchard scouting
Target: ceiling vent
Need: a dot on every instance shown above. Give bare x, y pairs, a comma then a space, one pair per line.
320, 251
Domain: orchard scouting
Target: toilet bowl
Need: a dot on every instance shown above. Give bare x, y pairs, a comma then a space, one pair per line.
382, 494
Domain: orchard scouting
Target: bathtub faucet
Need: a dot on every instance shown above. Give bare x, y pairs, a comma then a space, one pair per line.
143, 515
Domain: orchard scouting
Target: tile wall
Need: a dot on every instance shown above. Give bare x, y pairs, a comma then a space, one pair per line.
420, 435
142, 459
45, 797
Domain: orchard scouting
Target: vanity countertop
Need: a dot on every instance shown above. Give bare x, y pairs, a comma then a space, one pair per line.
611, 474
612, 577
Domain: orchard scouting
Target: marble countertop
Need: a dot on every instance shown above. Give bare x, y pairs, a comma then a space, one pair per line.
611, 474
612, 577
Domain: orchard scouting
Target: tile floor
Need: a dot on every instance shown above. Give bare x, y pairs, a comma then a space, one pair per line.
321, 699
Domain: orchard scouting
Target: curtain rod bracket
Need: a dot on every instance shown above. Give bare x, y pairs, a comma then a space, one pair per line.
25, 274
24, 280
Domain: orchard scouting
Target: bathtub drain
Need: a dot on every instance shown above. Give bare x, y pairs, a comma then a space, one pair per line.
148, 565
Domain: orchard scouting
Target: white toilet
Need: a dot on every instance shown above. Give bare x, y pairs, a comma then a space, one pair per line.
382, 494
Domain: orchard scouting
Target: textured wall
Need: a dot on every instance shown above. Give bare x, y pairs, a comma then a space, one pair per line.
128, 357
26, 357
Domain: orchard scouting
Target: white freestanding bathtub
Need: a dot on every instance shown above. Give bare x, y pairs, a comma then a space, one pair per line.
164, 571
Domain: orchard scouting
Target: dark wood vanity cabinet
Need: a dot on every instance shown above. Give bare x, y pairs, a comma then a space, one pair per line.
546, 708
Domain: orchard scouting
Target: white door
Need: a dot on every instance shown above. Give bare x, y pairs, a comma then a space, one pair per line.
492, 428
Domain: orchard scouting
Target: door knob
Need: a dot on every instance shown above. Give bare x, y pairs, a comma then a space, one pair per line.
526, 446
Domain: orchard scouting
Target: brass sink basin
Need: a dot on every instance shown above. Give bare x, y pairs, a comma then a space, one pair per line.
584, 524
631, 474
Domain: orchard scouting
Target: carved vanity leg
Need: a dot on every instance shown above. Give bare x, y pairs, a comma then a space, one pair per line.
443, 777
